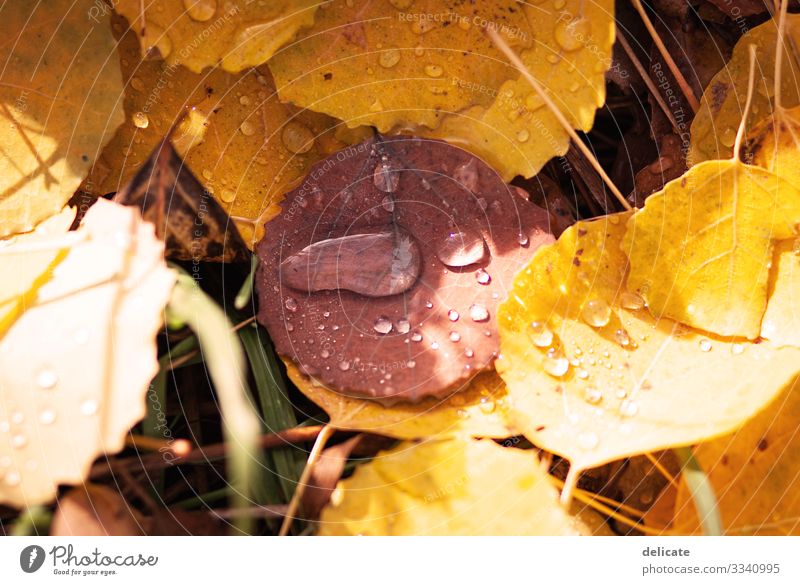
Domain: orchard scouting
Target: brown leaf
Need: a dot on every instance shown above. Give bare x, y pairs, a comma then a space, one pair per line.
186, 215
94, 510
325, 475
420, 328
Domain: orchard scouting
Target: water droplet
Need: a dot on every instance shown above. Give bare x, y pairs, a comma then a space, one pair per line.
433, 70
523, 135
411, 363
460, 249
540, 334
227, 195
344, 365
389, 58
382, 325
592, 395
483, 277
297, 137
705, 345
631, 301
13, 479
137, 84
737, 349
247, 128
455, 337
47, 417
46, 379
555, 363
89, 407
325, 354
582, 374
200, 10
621, 336
386, 177
469, 353
244, 100
416, 336
728, 137
453, 315
19, 441
487, 405
572, 35
478, 313
403, 326
373, 265
140, 120
158, 44
596, 313
522, 239
588, 440
628, 408
466, 175
291, 304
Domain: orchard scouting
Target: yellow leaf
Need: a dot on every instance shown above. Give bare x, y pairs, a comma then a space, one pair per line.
204, 33
753, 473
431, 71
781, 323
592, 376
450, 488
714, 127
60, 90
475, 410
239, 140
773, 144
71, 394
32, 264
701, 248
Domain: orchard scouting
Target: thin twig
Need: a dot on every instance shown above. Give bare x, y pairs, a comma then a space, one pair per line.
662, 470
648, 81
782, 8
177, 447
520, 66
676, 73
737, 146
302, 483
154, 461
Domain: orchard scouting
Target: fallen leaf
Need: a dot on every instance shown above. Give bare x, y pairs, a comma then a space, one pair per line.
192, 223
701, 248
60, 95
326, 474
781, 322
714, 127
593, 377
95, 510
205, 33
31, 263
773, 144
473, 410
381, 275
238, 139
72, 394
432, 71
753, 473
449, 488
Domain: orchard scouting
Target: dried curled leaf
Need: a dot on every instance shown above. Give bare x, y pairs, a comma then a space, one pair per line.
701, 248
239, 140
475, 410
432, 71
721, 109
592, 376
72, 394
95, 510
381, 275
60, 90
449, 488
205, 33
754, 474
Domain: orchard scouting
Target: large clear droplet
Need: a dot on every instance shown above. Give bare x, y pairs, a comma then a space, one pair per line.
403, 326
622, 337
555, 363
291, 304
596, 313
458, 249
453, 315
373, 265
386, 177
46, 379
631, 301
483, 277
540, 334
382, 325
478, 313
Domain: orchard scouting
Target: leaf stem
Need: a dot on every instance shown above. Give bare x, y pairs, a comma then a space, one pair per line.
520, 66
705, 500
737, 145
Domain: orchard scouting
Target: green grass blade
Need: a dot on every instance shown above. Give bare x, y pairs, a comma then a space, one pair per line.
705, 500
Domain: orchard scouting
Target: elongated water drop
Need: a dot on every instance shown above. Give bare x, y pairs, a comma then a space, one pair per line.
386, 177
458, 249
540, 334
